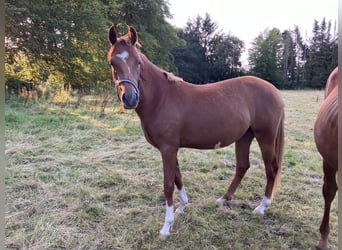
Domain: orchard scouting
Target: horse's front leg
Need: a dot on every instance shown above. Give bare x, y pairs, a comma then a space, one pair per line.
169, 157
172, 176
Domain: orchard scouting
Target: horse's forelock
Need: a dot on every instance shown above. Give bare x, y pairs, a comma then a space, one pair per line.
123, 41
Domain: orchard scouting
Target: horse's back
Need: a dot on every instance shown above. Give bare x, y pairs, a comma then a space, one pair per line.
246, 88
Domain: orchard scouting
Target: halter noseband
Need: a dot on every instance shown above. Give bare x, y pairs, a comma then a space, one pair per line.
133, 84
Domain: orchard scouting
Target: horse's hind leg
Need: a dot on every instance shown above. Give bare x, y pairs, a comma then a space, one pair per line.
182, 194
242, 164
267, 146
329, 192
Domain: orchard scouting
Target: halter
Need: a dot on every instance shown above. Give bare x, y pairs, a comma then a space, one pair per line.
133, 84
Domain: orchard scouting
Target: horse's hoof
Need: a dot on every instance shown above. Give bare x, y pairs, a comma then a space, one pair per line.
178, 212
258, 212
180, 209
163, 236
321, 248
221, 201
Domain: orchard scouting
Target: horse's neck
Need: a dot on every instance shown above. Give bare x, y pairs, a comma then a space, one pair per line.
152, 81
150, 70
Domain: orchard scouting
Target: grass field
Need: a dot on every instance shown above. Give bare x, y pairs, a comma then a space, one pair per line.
78, 180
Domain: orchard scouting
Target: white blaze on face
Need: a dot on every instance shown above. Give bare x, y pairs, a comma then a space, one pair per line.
123, 55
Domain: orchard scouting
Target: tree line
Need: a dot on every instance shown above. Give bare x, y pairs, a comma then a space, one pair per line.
63, 44
288, 61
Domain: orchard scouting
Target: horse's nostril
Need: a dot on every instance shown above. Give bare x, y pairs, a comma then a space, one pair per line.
130, 100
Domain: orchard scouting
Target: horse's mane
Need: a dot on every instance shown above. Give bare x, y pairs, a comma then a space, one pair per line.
172, 78
168, 76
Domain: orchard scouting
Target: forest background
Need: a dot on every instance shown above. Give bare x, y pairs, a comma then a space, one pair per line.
61, 44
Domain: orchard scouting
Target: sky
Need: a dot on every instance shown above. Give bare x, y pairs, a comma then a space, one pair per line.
246, 19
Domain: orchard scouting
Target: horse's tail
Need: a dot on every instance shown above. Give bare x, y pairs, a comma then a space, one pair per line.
279, 150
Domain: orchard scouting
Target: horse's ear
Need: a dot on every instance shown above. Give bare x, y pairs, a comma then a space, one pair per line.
112, 35
132, 35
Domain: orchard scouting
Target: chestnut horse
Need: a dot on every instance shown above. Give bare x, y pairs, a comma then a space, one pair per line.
326, 134
176, 114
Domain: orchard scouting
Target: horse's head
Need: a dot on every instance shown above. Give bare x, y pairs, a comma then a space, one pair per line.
124, 59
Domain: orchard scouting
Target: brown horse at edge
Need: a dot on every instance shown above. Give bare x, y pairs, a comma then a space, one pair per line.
326, 134
175, 114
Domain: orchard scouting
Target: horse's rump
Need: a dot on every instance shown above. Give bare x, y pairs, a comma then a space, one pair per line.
332, 82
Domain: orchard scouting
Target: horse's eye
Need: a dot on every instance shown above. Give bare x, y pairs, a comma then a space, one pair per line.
111, 63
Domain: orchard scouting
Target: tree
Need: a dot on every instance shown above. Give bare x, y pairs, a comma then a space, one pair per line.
64, 43
207, 55
288, 62
321, 55
156, 35
265, 57
292, 58
59, 38
224, 57
300, 52
288, 57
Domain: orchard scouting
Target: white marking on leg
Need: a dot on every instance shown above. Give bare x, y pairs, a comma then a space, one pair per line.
221, 201
169, 219
184, 201
123, 55
263, 205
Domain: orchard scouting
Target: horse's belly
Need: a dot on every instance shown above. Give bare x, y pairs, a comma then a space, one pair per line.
214, 131
207, 145
212, 139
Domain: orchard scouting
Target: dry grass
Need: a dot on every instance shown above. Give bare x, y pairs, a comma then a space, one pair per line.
75, 180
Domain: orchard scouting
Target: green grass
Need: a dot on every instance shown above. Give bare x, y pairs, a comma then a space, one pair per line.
75, 180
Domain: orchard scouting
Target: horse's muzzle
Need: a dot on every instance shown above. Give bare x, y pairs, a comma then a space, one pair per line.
130, 100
